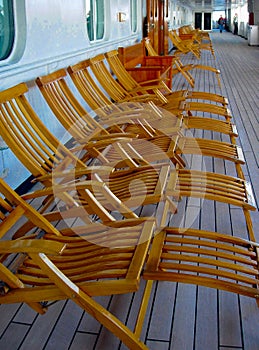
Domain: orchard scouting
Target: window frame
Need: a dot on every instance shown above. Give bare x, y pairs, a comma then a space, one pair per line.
134, 16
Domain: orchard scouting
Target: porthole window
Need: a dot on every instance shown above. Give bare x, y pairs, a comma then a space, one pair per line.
95, 19
6, 28
133, 8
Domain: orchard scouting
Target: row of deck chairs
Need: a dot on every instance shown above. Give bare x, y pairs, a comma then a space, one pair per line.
191, 40
104, 198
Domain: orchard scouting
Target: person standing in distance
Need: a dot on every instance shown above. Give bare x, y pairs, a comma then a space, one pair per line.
221, 23
235, 23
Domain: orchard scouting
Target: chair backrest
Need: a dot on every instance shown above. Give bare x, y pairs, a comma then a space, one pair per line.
176, 42
182, 46
150, 49
66, 107
106, 79
26, 135
88, 88
119, 70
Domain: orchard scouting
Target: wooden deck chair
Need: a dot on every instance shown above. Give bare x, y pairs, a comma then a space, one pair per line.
234, 191
48, 264
49, 161
183, 47
205, 258
199, 36
63, 103
183, 69
193, 46
94, 97
131, 85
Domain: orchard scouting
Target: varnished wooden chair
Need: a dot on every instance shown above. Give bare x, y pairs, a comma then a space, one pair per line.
183, 47
119, 94
183, 69
112, 119
189, 45
197, 34
49, 264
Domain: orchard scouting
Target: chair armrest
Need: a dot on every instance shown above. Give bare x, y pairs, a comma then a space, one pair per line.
31, 246
145, 68
159, 60
68, 175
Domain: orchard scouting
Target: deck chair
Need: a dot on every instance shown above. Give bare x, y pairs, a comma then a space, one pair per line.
189, 45
183, 47
234, 191
197, 34
94, 97
50, 162
206, 258
50, 264
183, 69
120, 94
166, 145
129, 84
202, 37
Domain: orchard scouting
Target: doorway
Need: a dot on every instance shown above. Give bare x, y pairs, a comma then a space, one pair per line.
202, 20
198, 20
207, 21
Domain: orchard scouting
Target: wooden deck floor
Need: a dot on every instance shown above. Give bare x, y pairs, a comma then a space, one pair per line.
180, 317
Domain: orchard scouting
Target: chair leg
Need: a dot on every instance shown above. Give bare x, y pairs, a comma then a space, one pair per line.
143, 308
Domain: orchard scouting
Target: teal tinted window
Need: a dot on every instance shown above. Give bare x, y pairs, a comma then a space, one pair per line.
95, 19
133, 4
6, 28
